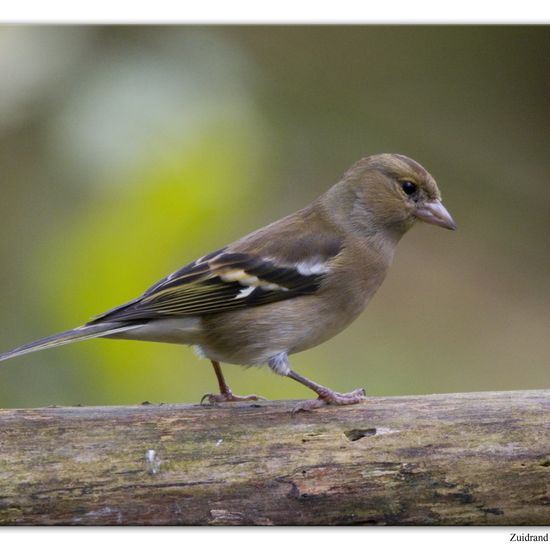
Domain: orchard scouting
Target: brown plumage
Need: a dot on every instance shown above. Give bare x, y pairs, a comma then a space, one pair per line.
286, 287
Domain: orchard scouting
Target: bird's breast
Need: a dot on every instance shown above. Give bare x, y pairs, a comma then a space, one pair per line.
254, 335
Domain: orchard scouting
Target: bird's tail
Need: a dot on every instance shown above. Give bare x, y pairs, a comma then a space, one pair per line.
75, 335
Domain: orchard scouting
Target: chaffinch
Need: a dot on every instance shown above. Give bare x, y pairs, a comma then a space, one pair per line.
288, 286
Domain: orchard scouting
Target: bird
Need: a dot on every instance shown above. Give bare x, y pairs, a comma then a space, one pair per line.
286, 287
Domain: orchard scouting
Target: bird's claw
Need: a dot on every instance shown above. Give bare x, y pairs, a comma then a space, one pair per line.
329, 397
215, 398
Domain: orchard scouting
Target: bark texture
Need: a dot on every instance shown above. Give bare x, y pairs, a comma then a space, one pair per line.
465, 459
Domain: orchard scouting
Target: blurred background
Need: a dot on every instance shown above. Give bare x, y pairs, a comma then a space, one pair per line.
126, 152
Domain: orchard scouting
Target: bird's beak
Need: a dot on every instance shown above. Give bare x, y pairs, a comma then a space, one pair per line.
434, 212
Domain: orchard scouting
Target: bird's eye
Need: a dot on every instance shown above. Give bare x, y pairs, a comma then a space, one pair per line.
409, 187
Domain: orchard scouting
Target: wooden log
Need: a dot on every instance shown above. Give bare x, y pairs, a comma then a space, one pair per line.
464, 459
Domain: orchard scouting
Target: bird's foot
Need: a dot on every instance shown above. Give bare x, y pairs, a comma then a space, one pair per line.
329, 397
214, 398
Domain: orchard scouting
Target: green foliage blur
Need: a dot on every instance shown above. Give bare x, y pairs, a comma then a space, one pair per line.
127, 152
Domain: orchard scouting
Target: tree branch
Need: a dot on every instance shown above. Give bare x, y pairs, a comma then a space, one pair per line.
475, 459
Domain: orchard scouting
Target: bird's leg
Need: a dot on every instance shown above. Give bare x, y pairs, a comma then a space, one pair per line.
225, 391
326, 395
280, 365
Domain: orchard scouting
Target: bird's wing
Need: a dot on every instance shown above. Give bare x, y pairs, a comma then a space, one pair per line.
230, 279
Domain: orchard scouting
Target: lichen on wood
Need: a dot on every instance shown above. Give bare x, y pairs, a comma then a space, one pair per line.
461, 459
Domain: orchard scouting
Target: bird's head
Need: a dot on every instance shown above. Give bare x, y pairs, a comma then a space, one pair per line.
389, 192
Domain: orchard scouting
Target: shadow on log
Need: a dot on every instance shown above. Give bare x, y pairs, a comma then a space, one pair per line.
463, 459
